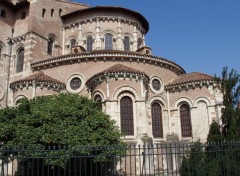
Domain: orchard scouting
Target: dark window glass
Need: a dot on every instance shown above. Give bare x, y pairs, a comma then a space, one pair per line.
156, 84
139, 43
60, 12
108, 42
185, 121
52, 11
73, 42
126, 43
20, 60
75, 83
98, 99
126, 110
23, 16
89, 43
157, 127
3, 13
50, 46
43, 12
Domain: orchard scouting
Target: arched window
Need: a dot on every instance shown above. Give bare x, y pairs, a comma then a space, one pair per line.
89, 43
185, 118
52, 11
126, 43
20, 60
60, 12
50, 46
43, 12
98, 99
139, 43
108, 42
73, 42
126, 111
3, 13
157, 125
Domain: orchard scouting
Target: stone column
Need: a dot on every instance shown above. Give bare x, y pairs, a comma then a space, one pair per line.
98, 40
80, 39
63, 41
135, 38
119, 36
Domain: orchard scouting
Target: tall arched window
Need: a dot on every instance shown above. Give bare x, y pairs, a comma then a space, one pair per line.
126, 43
108, 42
98, 99
89, 43
126, 111
139, 43
52, 11
60, 12
20, 60
73, 42
43, 12
157, 125
50, 46
185, 118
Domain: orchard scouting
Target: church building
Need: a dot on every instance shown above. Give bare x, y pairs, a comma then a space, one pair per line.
49, 47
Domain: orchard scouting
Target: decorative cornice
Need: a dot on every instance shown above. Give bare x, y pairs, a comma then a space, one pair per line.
104, 55
190, 81
116, 72
104, 18
39, 80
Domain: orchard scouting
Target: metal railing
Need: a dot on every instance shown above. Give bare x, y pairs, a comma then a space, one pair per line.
158, 159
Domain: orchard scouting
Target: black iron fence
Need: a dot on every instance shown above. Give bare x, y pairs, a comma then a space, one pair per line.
186, 159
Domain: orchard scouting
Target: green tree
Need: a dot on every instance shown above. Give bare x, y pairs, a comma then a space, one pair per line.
219, 156
229, 84
58, 122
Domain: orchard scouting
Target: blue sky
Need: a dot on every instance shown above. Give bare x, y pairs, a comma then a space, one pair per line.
199, 35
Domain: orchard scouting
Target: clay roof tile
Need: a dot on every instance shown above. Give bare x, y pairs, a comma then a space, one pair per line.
190, 78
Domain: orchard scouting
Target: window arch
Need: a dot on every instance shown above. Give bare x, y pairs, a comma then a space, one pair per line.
73, 42
139, 43
157, 125
126, 43
89, 43
98, 99
43, 12
20, 60
50, 46
3, 13
60, 12
126, 112
185, 119
108, 42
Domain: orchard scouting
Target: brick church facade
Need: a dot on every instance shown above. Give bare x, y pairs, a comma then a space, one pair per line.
53, 46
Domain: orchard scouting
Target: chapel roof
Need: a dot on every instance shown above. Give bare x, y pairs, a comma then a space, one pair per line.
194, 77
119, 69
39, 77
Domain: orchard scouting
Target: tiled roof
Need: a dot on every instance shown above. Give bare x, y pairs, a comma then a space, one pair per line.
190, 78
118, 69
38, 77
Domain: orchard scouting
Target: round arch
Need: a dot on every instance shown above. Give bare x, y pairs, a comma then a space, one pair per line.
157, 99
100, 93
18, 98
181, 101
204, 99
129, 89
